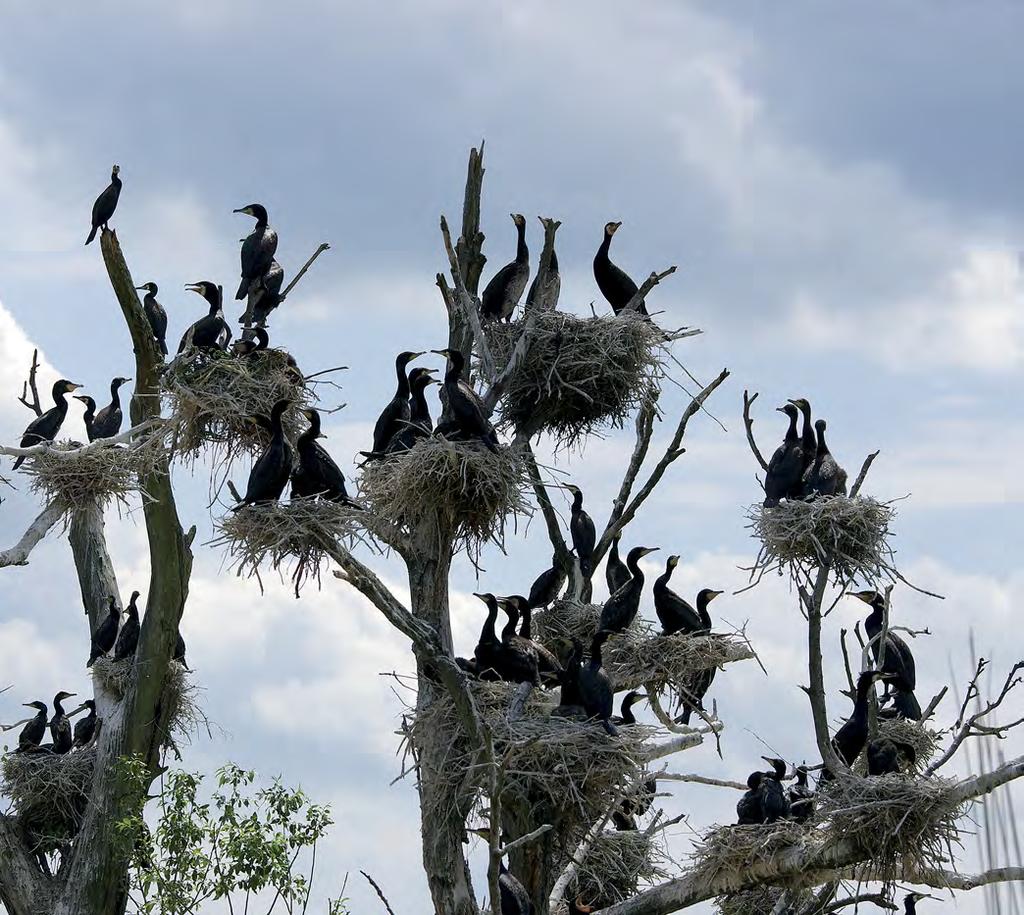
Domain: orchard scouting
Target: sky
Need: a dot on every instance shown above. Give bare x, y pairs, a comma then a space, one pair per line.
839, 188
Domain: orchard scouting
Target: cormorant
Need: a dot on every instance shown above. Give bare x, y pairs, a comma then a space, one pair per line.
784, 478
801, 797
889, 757
675, 612
570, 698
519, 662
396, 415
270, 473
808, 443
548, 665
32, 734
128, 637
774, 802
547, 586
621, 608
849, 740
616, 573
256, 343
899, 660
179, 652
626, 716
89, 415
554, 284
267, 290
105, 204
257, 250
419, 423
469, 420
910, 902
514, 898
488, 652
211, 331
85, 729
60, 724
748, 807
108, 420
615, 284
105, 636
316, 473
903, 704
155, 314
502, 293
583, 531
596, 686
635, 805
44, 428
824, 477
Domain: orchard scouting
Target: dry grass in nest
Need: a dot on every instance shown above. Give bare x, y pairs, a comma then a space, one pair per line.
293, 534
212, 396
460, 487
617, 864
852, 534
579, 375
728, 852
761, 900
91, 474
49, 792
180, 699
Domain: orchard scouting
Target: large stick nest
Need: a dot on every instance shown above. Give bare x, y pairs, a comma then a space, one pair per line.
728, 852
852, 534
578, 375
295, 534
179, 705
617, 864
50, 793
212, 396
761, 900
459, 487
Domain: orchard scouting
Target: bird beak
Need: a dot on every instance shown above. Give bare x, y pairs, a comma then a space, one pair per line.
73, 387
865, 596
417, 355
781, 409
140, 288
714, 594
193, 287
440, 352
651, 549
28, 705
244, 210
80, 708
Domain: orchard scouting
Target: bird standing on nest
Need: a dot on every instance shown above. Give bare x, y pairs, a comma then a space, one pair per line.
808, 444
60, 724
824, 476
316, 474
784, 478
898, 660
503, 292
155, 314
270, 473
774, 802
257, 250
107, 422
518, 659
396, 415
801, 797
106, 203
85, 730
266, 293
488, 654
548, 665
748, 807
211, 331
675, 612
887, 756
849, 740
548, 296
257, 342
32, 734
614, 283
621, 608
128, 637
419, 424
468, 416
700, 681
582, 531
595, 686
105, 636
616, 573
44, 428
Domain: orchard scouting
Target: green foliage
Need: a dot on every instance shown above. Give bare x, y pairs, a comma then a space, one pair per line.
240, 842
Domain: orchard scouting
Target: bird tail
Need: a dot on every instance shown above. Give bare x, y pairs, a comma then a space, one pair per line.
92, 235
243, 289
18, 461
610, 728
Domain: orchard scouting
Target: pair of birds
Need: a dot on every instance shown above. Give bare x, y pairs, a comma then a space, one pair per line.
514, 656
123, 637
502, 294
262, 275
896, 661
767, 801
802, 466
106, 422
30, 740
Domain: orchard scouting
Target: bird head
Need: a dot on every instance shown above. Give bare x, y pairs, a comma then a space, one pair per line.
573, 488
708, 594
62, 695
789, 409
610, 228
870, 597
673, 561
256, 210
115, 171
37, 705
408, 356
518, 219
90, 404
64, 387
820, 425
117, 382
801, 403
779, 765
516, 601
135, 596
151, 288
87, 704
420, 377
489, 599
638, 552
754, 779
206, 289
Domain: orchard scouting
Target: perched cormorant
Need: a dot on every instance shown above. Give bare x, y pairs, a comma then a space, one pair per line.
85, 729
105, 636
107, 422
626, 716
488, 653
155, 314
128, 637
60, 724
582, 530
267, 290
889, 757
824, 476
316, 474
519, 661
270, 473
211, 331
179, 652
801, 797
44, 428
106, 203
903, 704
469, 420
552, 287
675, 612
419, 424
898, 660
514, 898
547, 586
596, 686
849, 740
910, 902
257, 249
502, 293
616, 573
32, 734
748, 807
256, 343
89, 415
621, 608
784, 478
548, 665
808, 443
570, 698
615, 284
395, 416
774, 802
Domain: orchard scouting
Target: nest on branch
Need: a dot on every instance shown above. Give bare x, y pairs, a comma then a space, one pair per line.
578, 375
761, 900
923, 739
49, 792
851, 534
729, 852
212, 396
90, 473
295, 535
459, 487
180, 704
616, 865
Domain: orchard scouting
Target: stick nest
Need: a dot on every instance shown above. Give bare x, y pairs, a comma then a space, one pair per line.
616, 865
49, 792
729, 852
460, 487
578, 375
923, 739
852, 534
212, 395
760, 900
180, 700
295, 534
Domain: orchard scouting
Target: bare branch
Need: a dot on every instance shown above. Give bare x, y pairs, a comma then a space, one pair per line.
525, 840
379, 892
700, 780
96, 445
470, 309
950, 880
748, 422
644, 430
859, 482
323, 246
30, 385
646, 287
18, 554
879, 899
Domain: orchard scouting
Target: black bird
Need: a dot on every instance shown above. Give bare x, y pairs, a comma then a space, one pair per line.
675, 612
635, 805
128, 637
257, 250
469, 420
549, 295
211, 331
699, 684
32, 734
621, 608
105, 204
889, 757
547, 586
316, 473
519, 662
616, 573
85, 729
419, 423
626, 716
270, 473
774, 802
44, 428
488, 654
396, 415
824, 476
899, 659
910, 902
105, 636
60, 724
548, 665
108, 420
615, 284
179, 652
808, 444
570, 700
748, 807
503, 292
596, 686
582, 530
267, 292
155, 314
89, 416
801, 797
256, 343
786, 468
849, 740
514, 898
903, 704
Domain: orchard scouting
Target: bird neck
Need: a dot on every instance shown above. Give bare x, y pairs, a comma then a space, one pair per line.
115, 396
807, 434
860, 706
577, 503
58, 708
627, 711
420, 410
791, 435
522, 252
115, 181
602, 252
874, 621
526, 630
662, 580
403, 379
488, 631
822, 446
510, 627
595, 654
633, 564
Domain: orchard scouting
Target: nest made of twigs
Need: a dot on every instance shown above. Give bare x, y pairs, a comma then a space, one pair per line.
578, 375
49, 792
617, 864
761, 900
212, 396
729, 852
296, 534
459, 487
916, 734
180, 702
851, 534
